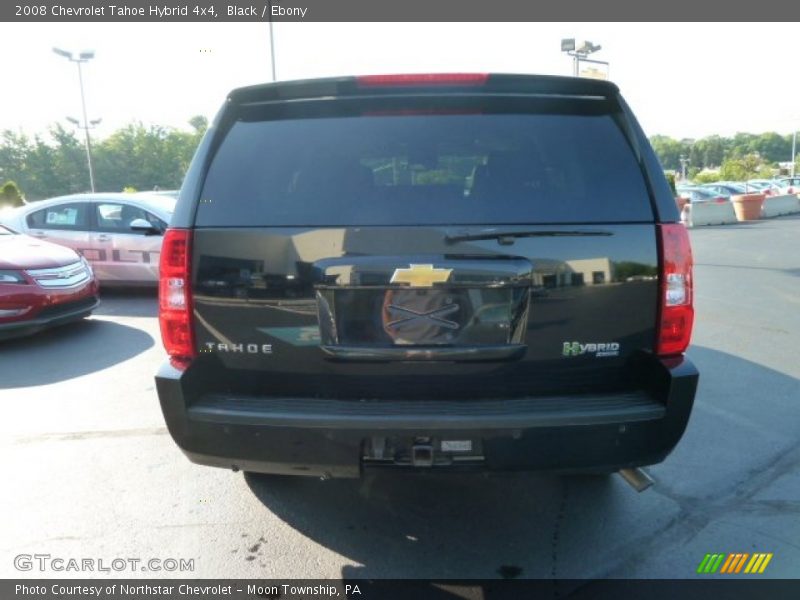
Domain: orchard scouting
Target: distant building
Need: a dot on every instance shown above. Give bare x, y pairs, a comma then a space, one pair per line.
591, 271
586, 271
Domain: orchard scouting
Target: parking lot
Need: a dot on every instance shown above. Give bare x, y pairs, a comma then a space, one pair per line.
91, 472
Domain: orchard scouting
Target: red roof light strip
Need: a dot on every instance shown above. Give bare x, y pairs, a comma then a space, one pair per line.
443, 79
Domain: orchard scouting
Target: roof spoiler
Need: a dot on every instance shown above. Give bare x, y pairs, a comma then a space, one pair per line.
374, 85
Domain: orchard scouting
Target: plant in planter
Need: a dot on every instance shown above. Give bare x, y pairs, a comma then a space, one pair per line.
748, 206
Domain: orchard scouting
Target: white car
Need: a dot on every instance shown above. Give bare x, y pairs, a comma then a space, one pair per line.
119, 234
789, 185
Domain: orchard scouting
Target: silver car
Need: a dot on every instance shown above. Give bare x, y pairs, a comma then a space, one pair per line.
119, 234
789, 185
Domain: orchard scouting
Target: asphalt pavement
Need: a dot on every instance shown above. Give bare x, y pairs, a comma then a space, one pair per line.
90, 471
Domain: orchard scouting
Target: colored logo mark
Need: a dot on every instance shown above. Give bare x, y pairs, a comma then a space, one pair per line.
734, 563
420, 275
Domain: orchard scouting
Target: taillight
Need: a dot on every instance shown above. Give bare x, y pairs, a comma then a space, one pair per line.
456, 79
675, 306
175, 298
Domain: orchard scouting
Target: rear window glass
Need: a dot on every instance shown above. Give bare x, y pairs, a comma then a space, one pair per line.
424, 170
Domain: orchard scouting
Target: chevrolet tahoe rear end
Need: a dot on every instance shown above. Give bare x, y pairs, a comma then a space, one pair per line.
431, 271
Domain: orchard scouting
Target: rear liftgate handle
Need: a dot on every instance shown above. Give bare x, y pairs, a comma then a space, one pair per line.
484, 353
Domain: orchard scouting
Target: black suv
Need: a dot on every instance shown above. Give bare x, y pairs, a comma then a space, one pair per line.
431, 271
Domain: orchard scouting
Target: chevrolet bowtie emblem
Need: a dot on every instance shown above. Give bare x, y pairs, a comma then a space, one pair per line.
420, 275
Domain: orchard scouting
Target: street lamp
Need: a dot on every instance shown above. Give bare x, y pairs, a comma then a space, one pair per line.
684, 163
82, 57
580, 53
92, 124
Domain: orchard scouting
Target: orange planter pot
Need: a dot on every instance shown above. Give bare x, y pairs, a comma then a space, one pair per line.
748, 206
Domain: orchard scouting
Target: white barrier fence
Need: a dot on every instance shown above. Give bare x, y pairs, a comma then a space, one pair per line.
722, 213
708, 213
775, 206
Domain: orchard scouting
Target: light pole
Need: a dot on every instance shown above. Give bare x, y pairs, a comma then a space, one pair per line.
684, 163
83, 57
794, 150
580, 53
271, 41
86, 127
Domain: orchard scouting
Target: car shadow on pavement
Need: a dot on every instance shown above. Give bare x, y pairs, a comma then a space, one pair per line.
404, 524
128, 302
50, 356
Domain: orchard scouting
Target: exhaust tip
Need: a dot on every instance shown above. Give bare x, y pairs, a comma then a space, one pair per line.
637, 478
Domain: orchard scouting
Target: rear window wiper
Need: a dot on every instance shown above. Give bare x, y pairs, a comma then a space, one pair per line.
506, 238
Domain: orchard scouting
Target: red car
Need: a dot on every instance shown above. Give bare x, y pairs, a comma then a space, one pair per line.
41, 285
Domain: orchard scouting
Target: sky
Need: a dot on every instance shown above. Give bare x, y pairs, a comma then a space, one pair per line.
681, 79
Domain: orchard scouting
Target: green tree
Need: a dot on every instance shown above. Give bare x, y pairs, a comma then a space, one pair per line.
707, 177
147, 157
10, 195
44, 168
14, 151
741, 145
773, 147
199, 123
671, 181
60, 167
669, 151
708, 152
138, 156
749, 166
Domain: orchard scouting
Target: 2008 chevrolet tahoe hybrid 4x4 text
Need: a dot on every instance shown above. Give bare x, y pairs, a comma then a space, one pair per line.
439, 271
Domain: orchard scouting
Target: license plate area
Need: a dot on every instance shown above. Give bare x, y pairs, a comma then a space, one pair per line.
423, 451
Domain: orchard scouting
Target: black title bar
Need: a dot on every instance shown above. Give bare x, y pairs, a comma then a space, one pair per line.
718, 588
394, 11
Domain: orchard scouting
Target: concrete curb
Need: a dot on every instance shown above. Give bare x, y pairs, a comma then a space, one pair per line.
708, 213
775, 206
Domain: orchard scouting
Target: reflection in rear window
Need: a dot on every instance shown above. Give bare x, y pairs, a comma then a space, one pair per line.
424, 170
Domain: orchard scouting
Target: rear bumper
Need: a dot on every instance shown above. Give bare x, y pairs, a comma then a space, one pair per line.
338, 438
